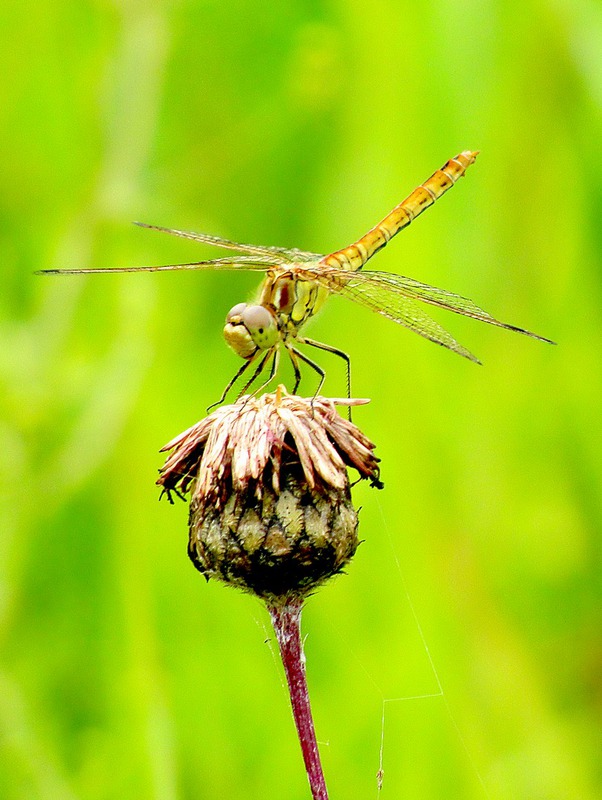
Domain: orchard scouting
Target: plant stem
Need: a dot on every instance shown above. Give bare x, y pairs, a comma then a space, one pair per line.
286, 620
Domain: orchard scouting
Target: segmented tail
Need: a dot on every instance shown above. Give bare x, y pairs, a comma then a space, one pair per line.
356, 255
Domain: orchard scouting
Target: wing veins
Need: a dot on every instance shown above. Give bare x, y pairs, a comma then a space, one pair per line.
407, 312
392, 284
284, 254
255, 263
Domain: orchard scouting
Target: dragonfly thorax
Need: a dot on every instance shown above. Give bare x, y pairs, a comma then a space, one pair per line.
250, 328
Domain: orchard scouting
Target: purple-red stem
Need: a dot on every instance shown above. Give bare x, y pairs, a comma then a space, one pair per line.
286, 620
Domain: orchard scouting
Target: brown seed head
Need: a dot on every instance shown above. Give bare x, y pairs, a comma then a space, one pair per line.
270, 501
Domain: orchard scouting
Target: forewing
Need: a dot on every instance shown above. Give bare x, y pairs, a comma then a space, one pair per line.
255, 263
280, 255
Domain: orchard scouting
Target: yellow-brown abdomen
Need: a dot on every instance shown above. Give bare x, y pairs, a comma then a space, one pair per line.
357, 254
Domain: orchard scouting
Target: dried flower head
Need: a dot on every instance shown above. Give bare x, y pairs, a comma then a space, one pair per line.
270, 501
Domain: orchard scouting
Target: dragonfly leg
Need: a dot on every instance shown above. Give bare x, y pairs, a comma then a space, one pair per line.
256, 374
231, 383
294, 354
295, 363
273, 370
342, 355
336, 352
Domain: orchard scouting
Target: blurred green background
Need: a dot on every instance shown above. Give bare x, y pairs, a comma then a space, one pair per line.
123, 675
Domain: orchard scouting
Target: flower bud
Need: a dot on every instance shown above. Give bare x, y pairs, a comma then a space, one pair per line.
270, 507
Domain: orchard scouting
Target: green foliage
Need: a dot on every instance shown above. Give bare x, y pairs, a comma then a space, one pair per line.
122, 674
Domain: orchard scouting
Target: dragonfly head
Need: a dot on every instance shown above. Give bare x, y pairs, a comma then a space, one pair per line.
250, 328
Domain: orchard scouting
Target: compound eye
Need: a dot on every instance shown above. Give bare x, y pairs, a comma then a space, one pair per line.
255, 318
261, 324
236, 311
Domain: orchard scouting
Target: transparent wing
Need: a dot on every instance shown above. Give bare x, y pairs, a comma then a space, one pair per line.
391, 284
406, 311
282, 254
398, 298
256, 263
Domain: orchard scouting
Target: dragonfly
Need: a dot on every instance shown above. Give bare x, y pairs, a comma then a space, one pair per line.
297, 283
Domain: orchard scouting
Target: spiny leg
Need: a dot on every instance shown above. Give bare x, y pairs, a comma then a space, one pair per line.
294, 354
296, 369
231, 383
336, 352
256, 374
273, 369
